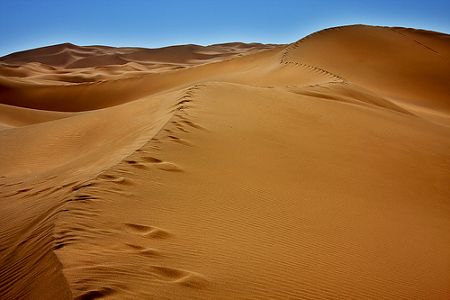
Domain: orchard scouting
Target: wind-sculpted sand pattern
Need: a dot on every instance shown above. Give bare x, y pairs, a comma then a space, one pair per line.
315, 170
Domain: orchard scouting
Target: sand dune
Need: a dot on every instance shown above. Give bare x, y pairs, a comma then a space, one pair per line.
313, 170
69, 56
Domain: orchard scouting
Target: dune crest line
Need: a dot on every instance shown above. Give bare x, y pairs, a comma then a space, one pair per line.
313, 170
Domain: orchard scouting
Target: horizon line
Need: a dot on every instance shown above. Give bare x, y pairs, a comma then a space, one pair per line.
2, 55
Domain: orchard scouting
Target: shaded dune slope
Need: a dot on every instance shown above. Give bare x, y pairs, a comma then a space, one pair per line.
313, 170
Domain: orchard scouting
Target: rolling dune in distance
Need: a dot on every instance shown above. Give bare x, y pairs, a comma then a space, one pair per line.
314, 170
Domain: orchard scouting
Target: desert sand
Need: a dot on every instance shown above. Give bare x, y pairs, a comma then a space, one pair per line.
314, 170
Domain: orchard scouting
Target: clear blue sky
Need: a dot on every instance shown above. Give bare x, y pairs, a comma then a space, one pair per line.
26, 24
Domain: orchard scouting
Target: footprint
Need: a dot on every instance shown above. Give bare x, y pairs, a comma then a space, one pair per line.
66, 185
83, 197
147, 231
137, 228
178, 140
107, 176
192, 124
40, 191
163, 165
168, 273
151, 159
136, 247
157, 233
180, 127
140, 250
168, 166
149, 252
121, 180
193, 280
182, 277
182, 107
134, 163
173, 137
183, 101
23, 190
96, 294
82, 185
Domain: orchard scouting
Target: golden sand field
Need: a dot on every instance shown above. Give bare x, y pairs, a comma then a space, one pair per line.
314, 170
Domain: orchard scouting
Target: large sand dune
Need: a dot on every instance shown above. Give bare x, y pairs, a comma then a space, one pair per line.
315, 170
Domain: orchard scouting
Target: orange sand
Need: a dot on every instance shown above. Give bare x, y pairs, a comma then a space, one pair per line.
315, 170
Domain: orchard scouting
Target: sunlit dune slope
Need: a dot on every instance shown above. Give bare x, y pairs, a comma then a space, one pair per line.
315, 170
390, 61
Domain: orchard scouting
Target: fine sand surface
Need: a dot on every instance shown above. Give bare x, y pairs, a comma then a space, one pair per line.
315, 170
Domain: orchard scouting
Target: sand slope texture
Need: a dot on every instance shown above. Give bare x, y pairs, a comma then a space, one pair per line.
315, 170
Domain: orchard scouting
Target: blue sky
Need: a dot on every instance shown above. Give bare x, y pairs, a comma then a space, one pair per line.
26, 24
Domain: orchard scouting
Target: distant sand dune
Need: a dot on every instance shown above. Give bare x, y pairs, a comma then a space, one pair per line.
313, 170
